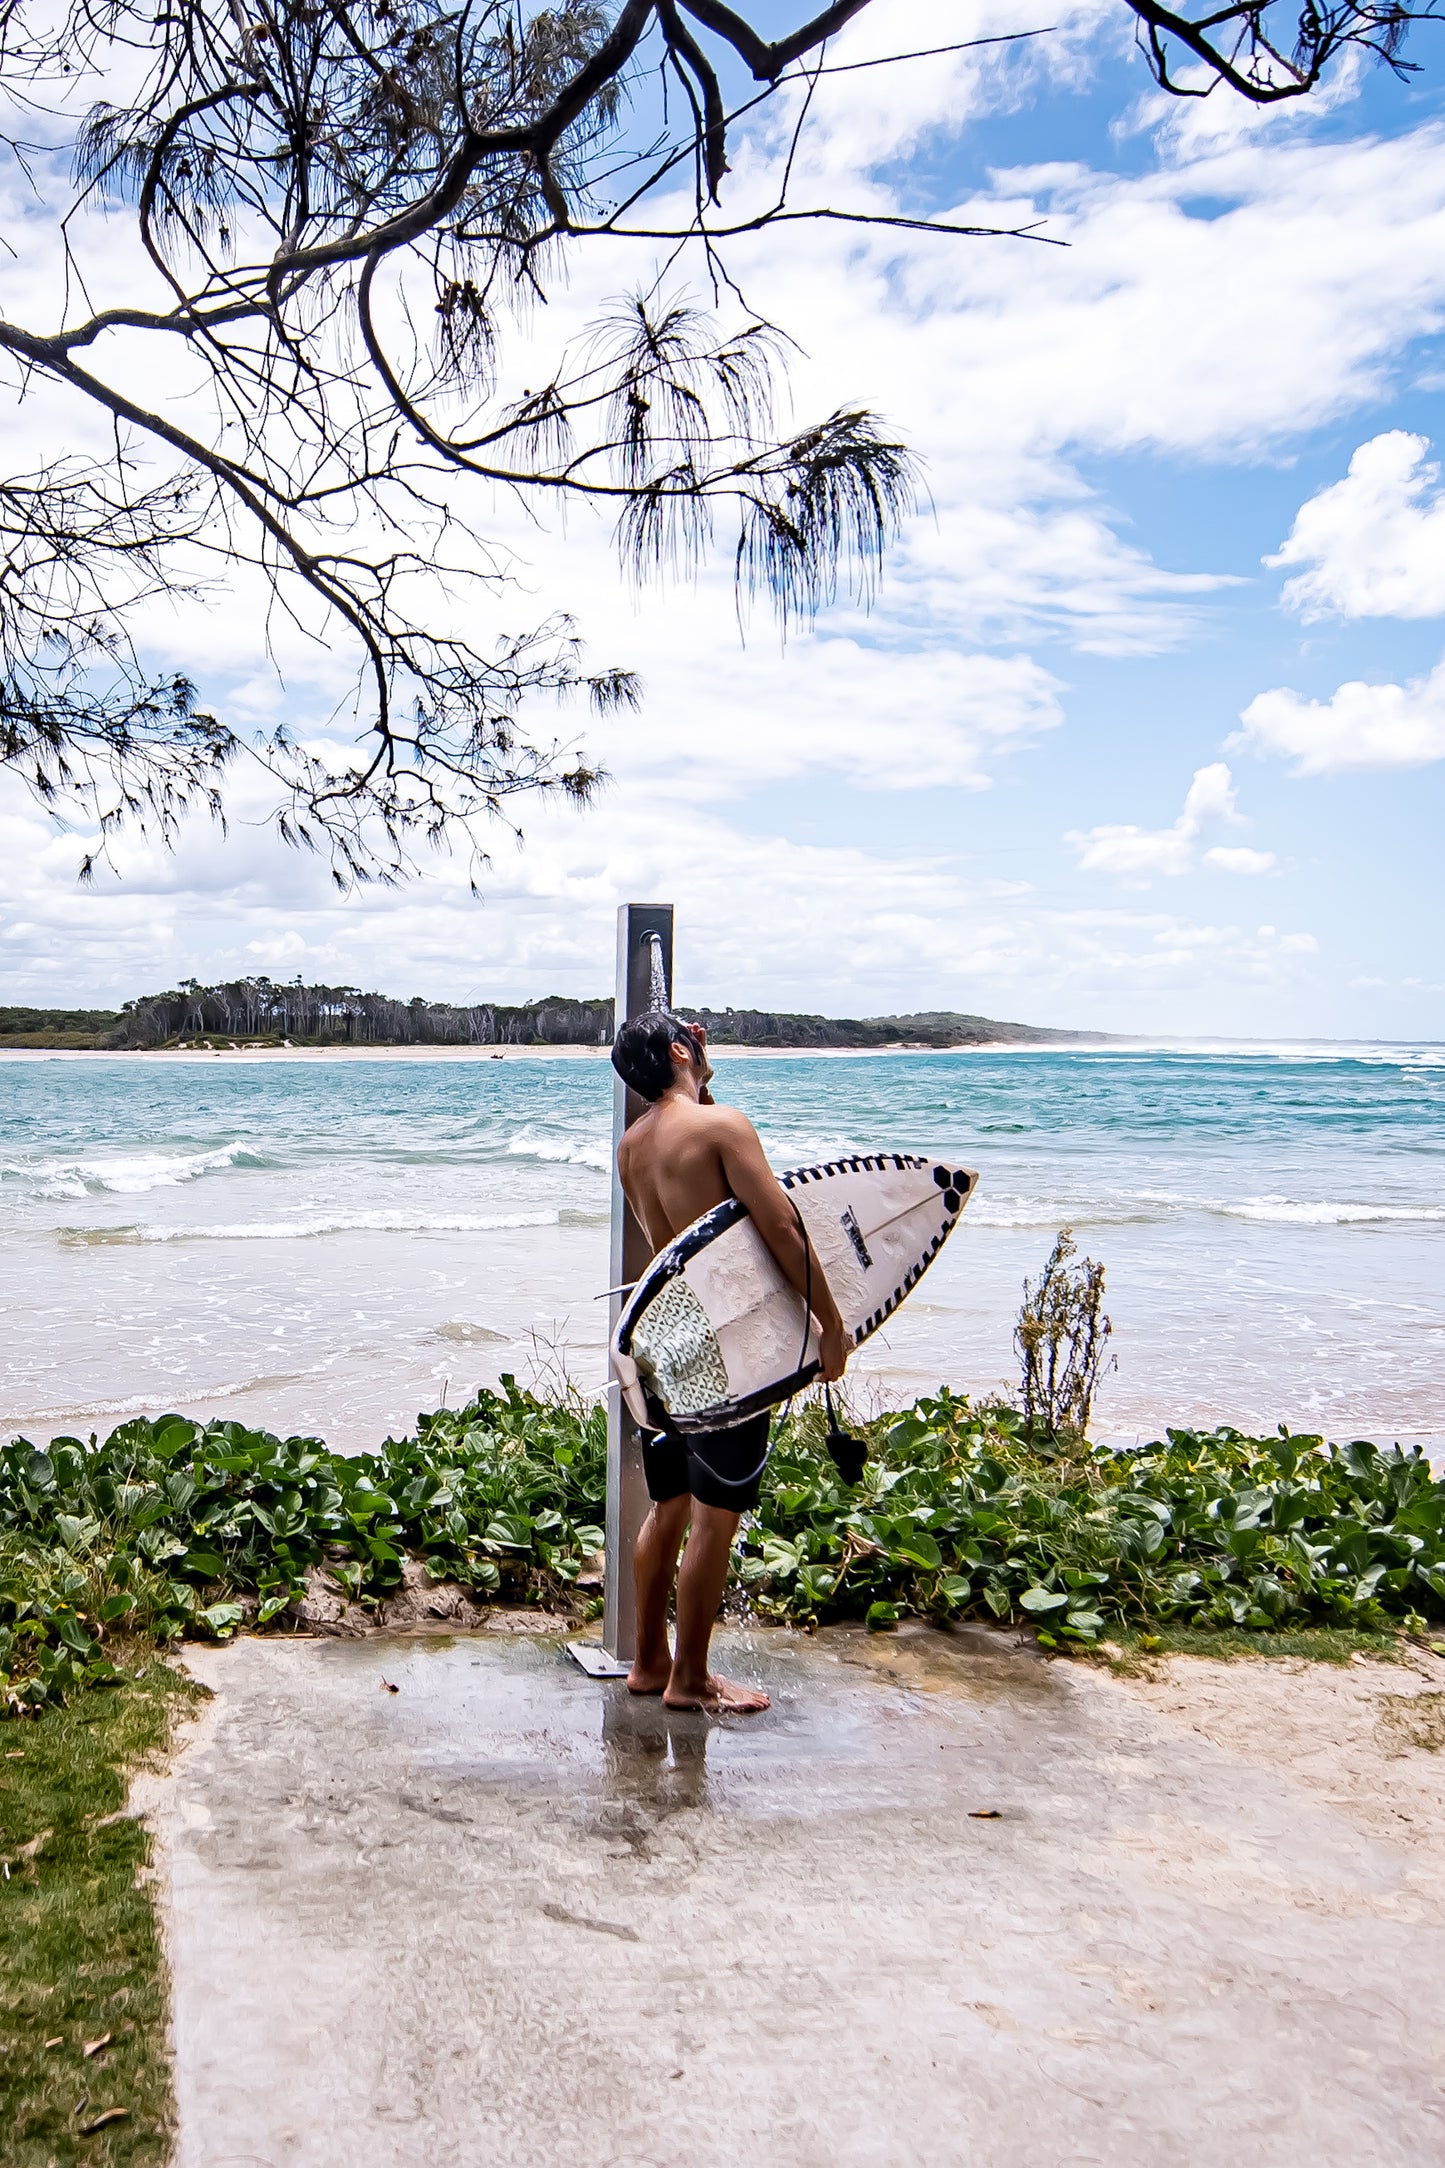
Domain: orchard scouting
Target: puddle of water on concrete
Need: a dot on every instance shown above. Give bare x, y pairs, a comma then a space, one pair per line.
479, 1716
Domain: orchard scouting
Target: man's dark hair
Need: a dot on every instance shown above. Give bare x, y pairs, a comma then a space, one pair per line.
641, 1052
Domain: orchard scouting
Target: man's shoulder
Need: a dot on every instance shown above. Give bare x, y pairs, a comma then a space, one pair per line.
723, 1116
722, 1123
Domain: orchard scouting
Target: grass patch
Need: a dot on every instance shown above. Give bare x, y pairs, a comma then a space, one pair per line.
1141, 1647
80, 1952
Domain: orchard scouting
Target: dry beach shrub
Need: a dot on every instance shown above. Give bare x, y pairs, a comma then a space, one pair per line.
1061, 1339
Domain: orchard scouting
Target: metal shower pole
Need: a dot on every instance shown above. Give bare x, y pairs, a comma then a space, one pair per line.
631, 1253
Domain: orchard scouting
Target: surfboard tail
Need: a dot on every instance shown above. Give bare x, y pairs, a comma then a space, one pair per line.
626, 1372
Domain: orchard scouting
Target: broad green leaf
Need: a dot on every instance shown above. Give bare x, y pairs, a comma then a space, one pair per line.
919, 1550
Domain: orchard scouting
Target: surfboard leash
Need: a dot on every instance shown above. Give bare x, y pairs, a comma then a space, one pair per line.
847, 1453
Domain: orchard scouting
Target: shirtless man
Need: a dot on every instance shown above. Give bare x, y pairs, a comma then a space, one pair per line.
680, 1158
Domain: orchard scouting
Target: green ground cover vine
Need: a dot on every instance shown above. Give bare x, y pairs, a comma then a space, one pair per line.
173, 1527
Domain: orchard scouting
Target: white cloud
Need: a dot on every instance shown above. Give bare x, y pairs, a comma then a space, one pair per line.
763, 918
720, 721
1183, 127
1373, 545
1216, 307
1238, 858
870, 117
1136, 854
1359, 726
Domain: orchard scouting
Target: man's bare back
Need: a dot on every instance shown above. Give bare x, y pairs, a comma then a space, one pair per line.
671, 1164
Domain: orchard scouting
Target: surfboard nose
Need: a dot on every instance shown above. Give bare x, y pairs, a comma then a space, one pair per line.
956, 1184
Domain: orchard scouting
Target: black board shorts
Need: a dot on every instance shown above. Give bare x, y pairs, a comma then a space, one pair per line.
719, 1467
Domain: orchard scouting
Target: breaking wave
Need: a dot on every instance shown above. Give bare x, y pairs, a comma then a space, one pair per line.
1154, 1207
1284, 1212
299, 1230
563, 1151
164, 1400
132, 1176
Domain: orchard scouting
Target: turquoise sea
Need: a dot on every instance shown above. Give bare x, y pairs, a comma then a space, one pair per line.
330, 1244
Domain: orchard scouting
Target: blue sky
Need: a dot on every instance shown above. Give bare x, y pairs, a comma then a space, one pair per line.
983, 796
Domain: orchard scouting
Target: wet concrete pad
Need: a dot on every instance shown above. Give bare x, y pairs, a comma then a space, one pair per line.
508, 1914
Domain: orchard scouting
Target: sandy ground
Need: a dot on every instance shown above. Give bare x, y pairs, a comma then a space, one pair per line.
1352, 1738
946, 1903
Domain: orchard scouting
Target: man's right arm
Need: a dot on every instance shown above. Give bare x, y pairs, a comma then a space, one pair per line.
754, 1184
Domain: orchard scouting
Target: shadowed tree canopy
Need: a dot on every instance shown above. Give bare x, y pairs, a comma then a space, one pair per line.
332, 218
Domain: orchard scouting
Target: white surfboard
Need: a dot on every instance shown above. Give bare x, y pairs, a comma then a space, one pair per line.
713, 1333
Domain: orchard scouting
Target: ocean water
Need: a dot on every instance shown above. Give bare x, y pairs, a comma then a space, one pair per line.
329, 1245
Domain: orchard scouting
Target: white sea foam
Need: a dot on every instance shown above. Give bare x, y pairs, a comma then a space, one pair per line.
163, 1400
1077, 1213
1148, 1207
331, 1223
1369, 1053
131, 1176
1286, 1212
564, 1151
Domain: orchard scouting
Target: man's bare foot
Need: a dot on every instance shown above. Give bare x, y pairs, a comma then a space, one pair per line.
642, 1679
718, 1697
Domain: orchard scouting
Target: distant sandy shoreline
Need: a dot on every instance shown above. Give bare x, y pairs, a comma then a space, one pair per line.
1429, 1050
253, 1055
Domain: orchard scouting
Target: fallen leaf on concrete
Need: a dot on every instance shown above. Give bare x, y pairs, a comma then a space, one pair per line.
93, 2047
99, 2122
388, 1688
595, 1927
985, 1814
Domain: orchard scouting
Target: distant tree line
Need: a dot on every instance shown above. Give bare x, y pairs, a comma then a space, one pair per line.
930, 1027
259, 1009
345, 1016
80, 1028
